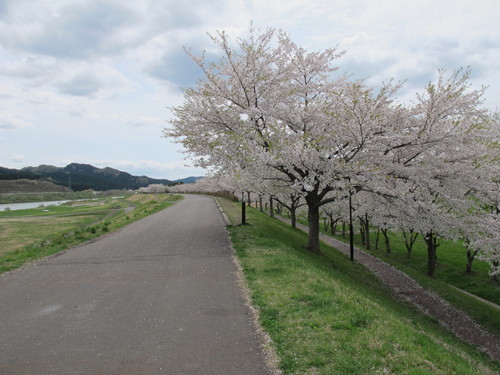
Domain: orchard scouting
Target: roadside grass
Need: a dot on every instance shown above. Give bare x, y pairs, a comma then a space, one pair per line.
328, 315
28, 236
143, 198
232, 210
20, 231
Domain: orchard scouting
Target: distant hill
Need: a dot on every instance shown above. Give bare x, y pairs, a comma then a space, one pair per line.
80, 177
30, 186
16, 174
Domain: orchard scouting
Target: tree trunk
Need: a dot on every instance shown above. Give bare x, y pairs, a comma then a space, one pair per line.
351, 230
260, 204
409, 241
249, 200
343, 228
470, 259
271, 209
313, 218
362, 231
367, 232
334, 227
325, 223
432, 245
386, 240
495, 264
243, 213
293, 216
377, 236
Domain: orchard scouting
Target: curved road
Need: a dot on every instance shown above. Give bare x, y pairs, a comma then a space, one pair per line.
157, 297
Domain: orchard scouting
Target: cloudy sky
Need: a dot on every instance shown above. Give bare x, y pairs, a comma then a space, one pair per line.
91, 81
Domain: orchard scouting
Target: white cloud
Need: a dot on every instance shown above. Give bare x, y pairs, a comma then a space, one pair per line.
81, 85
95, 28
18, 158
88, 80
35, 74
145, 121
27, 67
11, 122
173, 63
69, 29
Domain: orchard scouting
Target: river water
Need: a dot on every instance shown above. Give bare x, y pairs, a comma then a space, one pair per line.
28, 205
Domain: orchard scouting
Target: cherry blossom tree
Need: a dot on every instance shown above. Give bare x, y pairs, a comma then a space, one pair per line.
153, 189
440, 167
276, 119
238, 114
272, 104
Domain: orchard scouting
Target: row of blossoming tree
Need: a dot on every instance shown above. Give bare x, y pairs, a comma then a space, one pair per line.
272, 118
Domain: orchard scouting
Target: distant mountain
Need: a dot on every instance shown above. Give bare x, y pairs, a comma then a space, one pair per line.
16, 174
187, 180
82, 177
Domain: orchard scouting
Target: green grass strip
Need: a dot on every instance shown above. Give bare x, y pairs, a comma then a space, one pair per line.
328, 315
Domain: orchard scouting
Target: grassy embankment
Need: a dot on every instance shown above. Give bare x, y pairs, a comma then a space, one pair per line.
450, 267
27, 235
327, 315
450, 273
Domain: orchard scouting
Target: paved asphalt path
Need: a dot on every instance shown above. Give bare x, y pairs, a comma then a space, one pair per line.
157, 297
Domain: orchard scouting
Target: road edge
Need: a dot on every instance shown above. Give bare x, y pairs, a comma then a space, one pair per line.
271, 358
